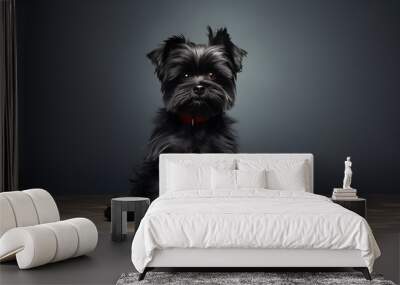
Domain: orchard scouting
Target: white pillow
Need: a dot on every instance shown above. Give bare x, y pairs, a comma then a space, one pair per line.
223, 179
193, 174
183, 178
251, 178
281, 174
235, 179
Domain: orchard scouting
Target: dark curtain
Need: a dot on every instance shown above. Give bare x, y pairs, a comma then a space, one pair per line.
8, 97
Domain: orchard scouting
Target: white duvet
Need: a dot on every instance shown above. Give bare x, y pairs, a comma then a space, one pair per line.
250, 218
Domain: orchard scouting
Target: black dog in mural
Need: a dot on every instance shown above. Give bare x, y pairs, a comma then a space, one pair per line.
198, 86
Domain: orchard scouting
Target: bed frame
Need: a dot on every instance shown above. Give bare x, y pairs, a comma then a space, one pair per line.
244, 259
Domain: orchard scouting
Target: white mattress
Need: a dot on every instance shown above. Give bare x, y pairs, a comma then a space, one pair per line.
251, 219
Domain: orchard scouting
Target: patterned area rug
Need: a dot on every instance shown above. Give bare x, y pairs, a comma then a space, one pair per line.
269, 278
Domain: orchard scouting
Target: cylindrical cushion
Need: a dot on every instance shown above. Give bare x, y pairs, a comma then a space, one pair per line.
23, 208
7, 218
41, 244
67, 240
87, 234
45, 205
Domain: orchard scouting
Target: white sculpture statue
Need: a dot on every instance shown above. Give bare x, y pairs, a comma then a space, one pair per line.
348, 173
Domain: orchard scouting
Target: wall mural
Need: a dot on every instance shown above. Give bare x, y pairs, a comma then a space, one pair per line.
198, 85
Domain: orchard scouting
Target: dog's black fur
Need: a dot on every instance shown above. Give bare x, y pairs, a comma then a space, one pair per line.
198, 86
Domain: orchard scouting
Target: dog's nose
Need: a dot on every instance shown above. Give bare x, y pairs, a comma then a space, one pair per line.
199, 89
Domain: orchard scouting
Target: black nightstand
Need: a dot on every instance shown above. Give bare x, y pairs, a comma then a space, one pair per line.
358, 205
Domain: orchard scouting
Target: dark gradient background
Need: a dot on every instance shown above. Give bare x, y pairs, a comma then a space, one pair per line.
320, 77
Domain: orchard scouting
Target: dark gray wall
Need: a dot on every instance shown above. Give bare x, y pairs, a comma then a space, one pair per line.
320, 77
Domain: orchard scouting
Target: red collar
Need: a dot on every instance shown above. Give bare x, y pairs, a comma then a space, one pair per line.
192, 120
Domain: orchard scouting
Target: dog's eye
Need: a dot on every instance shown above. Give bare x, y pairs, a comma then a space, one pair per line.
187, 75
212, 75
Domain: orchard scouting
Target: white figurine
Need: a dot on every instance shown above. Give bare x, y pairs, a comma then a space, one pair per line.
348, 173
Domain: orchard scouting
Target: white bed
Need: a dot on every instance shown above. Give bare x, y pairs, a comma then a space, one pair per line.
250, 227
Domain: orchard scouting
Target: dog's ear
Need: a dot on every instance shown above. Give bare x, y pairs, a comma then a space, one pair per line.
159, 55
221, 37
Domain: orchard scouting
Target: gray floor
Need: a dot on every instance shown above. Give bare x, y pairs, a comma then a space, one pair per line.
111, 259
